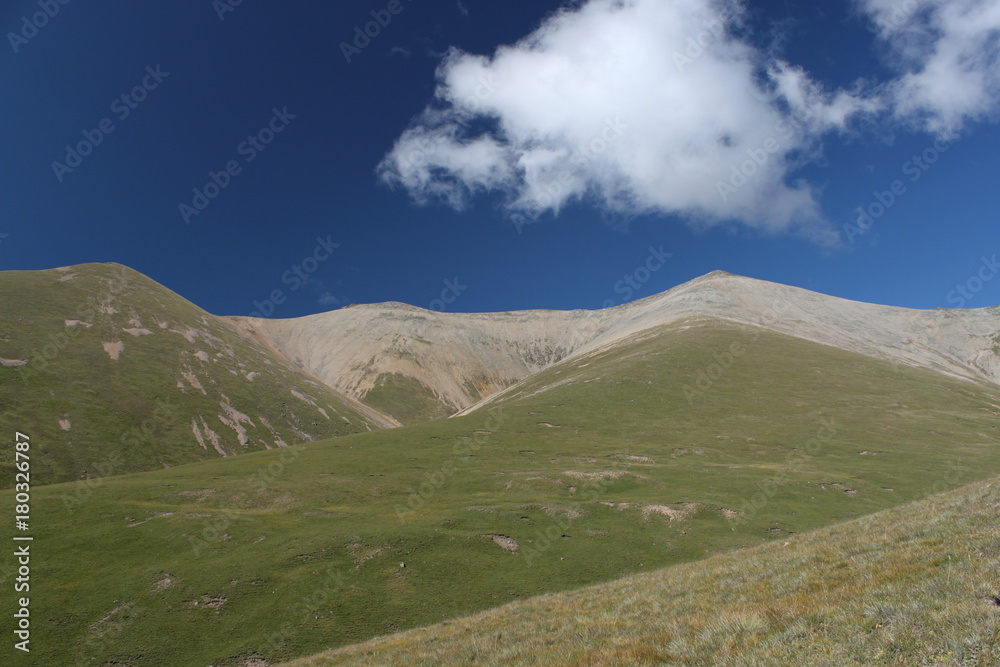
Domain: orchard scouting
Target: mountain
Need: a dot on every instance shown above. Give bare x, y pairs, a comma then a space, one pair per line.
110, 372
98, 356
417, 364
725, 414
598, 467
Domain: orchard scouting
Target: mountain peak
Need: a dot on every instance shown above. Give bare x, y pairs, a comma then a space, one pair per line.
718, 273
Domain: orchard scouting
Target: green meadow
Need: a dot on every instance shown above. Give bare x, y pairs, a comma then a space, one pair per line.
609, 465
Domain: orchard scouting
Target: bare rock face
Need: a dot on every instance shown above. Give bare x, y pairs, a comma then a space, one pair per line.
382, 354
442, 363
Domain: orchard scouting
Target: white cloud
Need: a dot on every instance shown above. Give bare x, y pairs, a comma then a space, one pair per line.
948, 54
641, 106
818, 110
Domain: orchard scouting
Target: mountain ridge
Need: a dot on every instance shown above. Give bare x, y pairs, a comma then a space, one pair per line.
387, 342
395, 363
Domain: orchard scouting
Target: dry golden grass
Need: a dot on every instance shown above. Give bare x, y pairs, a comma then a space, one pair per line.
908, 586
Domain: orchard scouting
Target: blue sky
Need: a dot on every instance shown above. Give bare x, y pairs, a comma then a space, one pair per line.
483, 156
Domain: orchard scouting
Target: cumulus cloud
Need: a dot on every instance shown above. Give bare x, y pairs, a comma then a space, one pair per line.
947, 53
639, 106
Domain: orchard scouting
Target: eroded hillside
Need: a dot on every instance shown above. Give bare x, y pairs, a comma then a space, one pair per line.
109, 372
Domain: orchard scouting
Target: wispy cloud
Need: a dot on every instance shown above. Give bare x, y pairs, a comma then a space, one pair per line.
948, 56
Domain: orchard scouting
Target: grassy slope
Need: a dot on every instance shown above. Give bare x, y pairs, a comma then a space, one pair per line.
908, 586
129, 414
407, 399
281, 558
